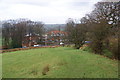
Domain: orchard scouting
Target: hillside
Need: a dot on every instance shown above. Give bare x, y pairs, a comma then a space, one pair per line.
54, 26
63, 62
0, 66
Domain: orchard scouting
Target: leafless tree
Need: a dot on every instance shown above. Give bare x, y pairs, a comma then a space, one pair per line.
76, 33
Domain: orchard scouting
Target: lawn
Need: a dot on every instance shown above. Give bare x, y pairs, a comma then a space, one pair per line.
63, 62
0, 65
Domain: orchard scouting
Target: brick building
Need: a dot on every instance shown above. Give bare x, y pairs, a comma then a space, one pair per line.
55, 37
31, 40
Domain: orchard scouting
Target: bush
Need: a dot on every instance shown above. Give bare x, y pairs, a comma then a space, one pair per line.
86, 47
69, 45
97, 46
107, 53
114, 48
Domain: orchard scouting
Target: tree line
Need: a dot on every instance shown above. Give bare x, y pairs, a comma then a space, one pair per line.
14, 31
100, 27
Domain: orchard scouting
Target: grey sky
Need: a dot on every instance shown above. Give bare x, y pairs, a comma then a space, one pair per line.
47, 11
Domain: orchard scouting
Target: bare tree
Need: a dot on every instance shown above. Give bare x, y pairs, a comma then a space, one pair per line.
103, 21
76, 33
15, 31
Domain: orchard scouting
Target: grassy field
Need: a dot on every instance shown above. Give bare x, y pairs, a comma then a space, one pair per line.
63, 63
0, 66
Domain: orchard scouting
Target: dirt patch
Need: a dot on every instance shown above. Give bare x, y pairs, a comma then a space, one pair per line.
45, 69
17, 49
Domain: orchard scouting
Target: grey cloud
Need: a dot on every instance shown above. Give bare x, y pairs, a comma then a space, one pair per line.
49, 11
26, 2
36, 3
77, 4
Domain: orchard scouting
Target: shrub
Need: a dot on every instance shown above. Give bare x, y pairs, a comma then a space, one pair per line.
97, 46
114, 48
107, 53
87, 48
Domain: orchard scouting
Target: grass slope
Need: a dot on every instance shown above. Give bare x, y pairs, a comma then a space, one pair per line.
0, 66
64, 63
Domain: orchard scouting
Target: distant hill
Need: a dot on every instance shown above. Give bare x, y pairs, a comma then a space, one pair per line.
54, 26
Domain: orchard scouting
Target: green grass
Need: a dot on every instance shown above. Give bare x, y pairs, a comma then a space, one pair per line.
0, 66
64, 63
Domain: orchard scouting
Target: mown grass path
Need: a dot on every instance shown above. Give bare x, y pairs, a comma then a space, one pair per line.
63, 63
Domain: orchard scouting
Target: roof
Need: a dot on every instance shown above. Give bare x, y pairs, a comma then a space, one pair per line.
56, 32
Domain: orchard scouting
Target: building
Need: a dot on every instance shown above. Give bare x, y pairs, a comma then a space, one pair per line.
51, 38
31, 40
55, 37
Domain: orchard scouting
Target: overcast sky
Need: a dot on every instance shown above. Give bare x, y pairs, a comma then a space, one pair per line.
47, 11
